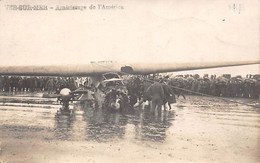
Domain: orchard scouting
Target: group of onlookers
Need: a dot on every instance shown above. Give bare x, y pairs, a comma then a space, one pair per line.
226, 86
31, 84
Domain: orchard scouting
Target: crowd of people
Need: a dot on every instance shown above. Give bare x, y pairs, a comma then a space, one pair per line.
225, 85
32, 84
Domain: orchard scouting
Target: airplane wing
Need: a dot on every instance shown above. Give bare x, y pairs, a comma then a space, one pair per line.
171, 67
95, 68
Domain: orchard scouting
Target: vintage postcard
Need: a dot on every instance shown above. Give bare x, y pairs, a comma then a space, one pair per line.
129, 81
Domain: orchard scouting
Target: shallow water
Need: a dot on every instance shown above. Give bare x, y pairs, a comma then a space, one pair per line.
197, 129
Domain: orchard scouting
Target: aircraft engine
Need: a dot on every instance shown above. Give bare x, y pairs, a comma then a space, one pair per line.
65, 94
116, 99
115, 105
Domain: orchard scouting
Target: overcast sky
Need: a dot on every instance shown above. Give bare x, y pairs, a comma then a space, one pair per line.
144, 31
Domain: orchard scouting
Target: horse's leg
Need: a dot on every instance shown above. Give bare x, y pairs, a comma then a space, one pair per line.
153, 106
170, 108
159, 108
184, 96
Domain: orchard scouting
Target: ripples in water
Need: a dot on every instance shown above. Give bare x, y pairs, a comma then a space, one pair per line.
103, 126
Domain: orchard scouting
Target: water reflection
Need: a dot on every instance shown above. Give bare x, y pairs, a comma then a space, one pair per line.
103, 126
153, 127
63, 125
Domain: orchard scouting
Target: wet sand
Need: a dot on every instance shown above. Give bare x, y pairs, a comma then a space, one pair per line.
198, 129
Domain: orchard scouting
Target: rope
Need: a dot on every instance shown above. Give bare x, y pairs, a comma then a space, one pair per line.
202, 94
